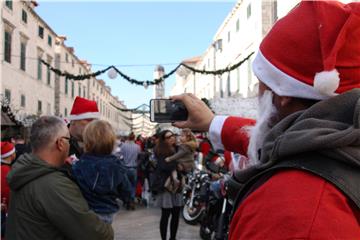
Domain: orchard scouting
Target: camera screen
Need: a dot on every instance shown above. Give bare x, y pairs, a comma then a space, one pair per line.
165, 110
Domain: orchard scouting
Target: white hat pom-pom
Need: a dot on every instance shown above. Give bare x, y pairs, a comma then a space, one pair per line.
326, 82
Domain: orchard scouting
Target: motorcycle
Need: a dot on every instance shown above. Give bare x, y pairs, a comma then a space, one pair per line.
194, 196
216, 217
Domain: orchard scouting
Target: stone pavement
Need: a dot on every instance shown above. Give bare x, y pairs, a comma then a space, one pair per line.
143, 223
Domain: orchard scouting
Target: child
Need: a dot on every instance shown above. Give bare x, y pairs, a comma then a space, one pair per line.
184, 158
100, 175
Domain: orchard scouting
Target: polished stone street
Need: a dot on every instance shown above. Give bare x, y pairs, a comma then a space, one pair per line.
143, 223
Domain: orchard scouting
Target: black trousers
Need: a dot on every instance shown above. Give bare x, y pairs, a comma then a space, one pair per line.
164, 220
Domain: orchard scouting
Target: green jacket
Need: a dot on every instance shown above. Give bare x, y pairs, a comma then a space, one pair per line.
46, 204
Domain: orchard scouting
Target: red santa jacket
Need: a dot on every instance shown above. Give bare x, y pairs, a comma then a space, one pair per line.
292, 204
5, 190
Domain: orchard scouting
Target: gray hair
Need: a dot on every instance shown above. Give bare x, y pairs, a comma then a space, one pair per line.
45, 130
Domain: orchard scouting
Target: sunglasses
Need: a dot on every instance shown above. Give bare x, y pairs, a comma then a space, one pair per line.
67, 138
169, 136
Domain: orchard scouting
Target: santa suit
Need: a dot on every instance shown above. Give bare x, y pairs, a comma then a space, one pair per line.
291, 203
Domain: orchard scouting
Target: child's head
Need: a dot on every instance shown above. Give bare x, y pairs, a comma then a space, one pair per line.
186, 136
99, 138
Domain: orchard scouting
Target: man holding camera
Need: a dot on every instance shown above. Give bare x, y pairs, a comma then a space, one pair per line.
305, 146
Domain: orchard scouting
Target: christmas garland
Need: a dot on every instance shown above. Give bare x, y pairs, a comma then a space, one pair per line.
220, 71
147, 82
7, 110
132, 110
75, 77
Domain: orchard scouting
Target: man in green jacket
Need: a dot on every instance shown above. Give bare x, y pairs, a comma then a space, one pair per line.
45, 203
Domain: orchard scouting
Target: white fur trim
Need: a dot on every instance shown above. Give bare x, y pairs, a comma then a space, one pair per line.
281, 83
88, 115
5, 155
326, 82
215, 132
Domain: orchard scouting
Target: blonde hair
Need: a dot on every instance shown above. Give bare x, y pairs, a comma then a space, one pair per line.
99, 138
188, 134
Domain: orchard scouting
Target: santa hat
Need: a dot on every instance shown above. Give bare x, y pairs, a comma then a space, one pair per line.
84, 109
7, 149
313, 52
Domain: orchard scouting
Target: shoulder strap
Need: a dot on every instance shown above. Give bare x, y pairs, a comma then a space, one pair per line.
341, 174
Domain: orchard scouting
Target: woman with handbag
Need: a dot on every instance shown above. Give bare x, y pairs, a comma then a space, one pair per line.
169, 202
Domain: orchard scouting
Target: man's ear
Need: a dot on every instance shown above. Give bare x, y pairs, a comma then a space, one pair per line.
60, 145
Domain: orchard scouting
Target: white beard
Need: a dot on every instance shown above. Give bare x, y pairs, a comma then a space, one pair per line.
257, 133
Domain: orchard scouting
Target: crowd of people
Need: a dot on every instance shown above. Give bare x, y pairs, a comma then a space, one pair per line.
76, 176
302, 169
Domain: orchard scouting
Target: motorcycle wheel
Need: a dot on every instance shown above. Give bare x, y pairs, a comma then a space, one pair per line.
192, 216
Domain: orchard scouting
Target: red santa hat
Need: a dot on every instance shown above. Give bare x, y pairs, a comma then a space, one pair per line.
84, 109
7, 149
313, 52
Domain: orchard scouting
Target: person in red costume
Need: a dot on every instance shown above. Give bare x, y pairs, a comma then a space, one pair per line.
7, 157
304, 173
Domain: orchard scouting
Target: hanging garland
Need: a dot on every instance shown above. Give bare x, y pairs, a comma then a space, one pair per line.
147, 82
75, 77
132, 110
7, 110
220, 71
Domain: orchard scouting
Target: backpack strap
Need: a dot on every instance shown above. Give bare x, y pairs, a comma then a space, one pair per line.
343, 175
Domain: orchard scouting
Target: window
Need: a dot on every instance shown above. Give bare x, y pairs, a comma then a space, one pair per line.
84, 92
41, 32
39, 107
249, 11
229, 36
39, 69
48, 109
221, 88
48, 76
72, 89
238, 78
7, 46
48, 71
249, 72
94, 82
49, 40
72, 63
237, 25
274, 11
66, 86
24, 16
23, 56
79, 70
9, 4
228, 86
22, 100
66, 57
65, 112
79, 90
8, 95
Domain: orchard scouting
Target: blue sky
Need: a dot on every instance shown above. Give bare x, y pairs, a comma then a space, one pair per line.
135, 33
